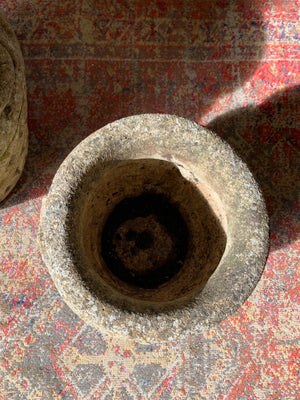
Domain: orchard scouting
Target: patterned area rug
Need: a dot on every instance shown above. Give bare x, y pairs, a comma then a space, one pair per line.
231, 65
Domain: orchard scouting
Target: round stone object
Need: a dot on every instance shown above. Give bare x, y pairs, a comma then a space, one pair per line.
13, 109
154, 228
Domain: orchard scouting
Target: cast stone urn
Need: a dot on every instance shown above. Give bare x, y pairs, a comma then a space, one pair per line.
13, 109
154, 228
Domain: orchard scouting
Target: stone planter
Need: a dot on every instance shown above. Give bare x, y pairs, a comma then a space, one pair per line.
154, 228
13, 110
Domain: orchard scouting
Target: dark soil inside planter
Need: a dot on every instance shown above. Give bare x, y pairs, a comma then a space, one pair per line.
145, 240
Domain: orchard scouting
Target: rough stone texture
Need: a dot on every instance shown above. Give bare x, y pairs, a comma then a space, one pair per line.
144, 57
68, 223
13, 109
103, 187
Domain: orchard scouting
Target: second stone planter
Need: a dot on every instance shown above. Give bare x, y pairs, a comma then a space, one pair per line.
13, 109
154, 228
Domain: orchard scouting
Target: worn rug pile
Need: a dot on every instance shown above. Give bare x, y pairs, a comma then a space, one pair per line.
233, 66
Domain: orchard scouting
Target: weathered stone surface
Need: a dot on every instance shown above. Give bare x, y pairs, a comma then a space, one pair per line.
108, 200
13, 109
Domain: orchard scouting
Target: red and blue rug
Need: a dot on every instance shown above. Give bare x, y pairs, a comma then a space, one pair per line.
231, 65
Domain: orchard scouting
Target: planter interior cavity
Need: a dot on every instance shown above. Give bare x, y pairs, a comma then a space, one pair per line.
148, 232
154, 228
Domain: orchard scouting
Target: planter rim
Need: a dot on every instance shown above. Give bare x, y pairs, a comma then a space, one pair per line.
215, 164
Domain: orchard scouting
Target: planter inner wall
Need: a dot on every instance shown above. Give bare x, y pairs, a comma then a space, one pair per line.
147, 231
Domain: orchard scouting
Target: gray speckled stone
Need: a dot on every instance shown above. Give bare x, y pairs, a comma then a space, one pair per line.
13, 109
209, 287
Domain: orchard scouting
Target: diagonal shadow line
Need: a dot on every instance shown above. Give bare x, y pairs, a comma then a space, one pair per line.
223, 32
266, 137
